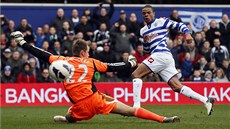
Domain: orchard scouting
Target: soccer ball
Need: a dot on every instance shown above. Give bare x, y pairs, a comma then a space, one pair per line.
60, 70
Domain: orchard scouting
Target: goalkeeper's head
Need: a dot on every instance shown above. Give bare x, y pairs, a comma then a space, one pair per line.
80, 48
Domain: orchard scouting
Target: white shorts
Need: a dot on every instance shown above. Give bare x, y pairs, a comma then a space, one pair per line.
163, 64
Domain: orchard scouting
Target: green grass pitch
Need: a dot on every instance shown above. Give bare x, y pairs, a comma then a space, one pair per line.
192, 117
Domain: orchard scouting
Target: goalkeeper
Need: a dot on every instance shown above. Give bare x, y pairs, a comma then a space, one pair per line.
86, 100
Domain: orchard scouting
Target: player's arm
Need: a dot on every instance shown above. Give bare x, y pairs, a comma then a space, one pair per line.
169, 24
143, 41
39, 53
113, 67
146, 48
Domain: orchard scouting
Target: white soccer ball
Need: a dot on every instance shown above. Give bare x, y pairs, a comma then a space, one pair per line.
60, 70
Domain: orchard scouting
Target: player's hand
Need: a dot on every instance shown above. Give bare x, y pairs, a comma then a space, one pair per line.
18, 37
132, 60
189, 38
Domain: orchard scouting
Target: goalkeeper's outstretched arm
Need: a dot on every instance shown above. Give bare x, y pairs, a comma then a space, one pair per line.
44, 55
114, 67
39, 53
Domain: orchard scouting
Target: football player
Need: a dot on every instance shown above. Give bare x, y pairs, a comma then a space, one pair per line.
86, 100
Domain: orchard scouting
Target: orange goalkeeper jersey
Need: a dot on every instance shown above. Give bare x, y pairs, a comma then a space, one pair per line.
79, 85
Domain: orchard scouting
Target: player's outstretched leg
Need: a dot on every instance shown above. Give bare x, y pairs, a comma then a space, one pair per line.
67, 118
208, 102
209, 105
142, 113
188, 92
171, 119
145, 114
137, 86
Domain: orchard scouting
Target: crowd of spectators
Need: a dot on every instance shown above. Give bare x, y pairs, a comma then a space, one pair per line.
206, 59
200, 2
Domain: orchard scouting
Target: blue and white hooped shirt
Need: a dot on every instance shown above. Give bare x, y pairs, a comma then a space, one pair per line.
154, 35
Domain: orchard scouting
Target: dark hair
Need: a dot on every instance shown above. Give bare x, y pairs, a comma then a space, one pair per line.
86, 9
78, 46
139, 44
23, 18
207, 41
125, 52
223, 74
199, 32
26, 64
148, 6
225, 60
83, 16
102, 23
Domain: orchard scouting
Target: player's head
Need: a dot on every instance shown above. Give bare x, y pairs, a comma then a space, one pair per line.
80, 48
148, 13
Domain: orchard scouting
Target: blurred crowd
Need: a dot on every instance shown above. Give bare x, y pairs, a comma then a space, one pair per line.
200, 2
206, 59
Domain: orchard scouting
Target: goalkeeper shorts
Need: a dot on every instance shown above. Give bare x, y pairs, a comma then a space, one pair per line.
98, 103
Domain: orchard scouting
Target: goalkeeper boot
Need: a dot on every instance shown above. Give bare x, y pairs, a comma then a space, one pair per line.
60, 119
209, 105
171, 119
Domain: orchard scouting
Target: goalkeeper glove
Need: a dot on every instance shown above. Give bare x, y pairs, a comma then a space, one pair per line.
18, 37
132, 60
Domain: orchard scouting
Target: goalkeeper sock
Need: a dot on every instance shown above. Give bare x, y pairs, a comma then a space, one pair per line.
145, 114
137, 85
192, 94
